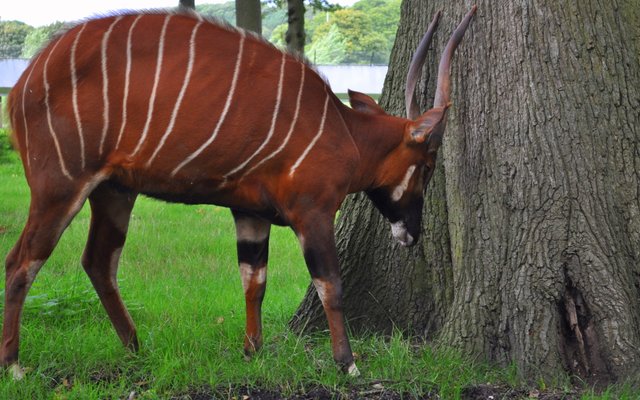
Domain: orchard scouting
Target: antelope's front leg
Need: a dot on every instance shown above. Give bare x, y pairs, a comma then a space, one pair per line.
318, 243
252, 236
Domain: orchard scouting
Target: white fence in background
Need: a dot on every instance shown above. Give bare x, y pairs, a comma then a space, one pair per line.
363, 78
10, 71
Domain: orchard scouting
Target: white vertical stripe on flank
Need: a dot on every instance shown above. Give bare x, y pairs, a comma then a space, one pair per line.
185, 83
291, 127
46, 104
24, 112
74, 95
227, 104
314, 140
154, 90
105, 83
127, 77
274, 118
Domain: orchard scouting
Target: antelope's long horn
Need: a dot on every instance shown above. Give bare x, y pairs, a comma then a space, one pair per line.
443, 90
415, 68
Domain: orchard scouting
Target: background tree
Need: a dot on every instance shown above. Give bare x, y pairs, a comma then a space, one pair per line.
532, 221
384, 16
249, 15
295, 36
12, 36
191, 4
362, 34
330, 48
357, 34
37, 37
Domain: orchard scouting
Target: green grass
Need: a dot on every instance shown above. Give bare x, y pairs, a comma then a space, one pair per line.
178, 275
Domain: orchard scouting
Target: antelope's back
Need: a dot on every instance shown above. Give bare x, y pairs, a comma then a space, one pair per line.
156, 96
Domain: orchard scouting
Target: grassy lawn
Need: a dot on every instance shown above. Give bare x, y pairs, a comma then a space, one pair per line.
178, 275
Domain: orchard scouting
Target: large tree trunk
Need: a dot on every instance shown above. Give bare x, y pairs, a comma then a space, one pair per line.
531, 242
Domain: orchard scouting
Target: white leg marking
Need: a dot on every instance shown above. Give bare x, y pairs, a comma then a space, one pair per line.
113, 266
154, 90
353, 370
105, 83
17, 373
74, 95
227, 104
273, 120
402, 187
251, 275
24, 112
321, 288
248, 230
185, 83
127, 77
49, 121
293, 123
313, 141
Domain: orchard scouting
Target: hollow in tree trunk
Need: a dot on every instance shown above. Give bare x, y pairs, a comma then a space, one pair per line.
531, 234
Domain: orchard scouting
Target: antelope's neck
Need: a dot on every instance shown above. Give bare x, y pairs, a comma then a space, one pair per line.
375, 136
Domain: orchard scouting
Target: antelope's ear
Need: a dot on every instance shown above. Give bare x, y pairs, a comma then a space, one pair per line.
362, 102
421, 129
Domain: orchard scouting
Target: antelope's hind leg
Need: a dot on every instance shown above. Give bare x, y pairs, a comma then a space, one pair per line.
110, 213
252, 235
52, 208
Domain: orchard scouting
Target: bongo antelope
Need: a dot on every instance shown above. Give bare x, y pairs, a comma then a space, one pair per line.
179, 108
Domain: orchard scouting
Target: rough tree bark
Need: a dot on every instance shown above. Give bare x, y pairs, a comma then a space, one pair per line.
249, 15
531, 243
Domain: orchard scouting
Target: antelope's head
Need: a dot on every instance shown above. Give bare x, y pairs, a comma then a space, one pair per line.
406, 171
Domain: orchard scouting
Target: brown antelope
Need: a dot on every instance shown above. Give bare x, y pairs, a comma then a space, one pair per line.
186, 110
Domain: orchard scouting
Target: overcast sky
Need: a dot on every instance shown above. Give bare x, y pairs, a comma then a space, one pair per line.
43, 12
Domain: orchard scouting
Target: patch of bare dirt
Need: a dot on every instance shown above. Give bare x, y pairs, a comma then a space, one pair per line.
480, 392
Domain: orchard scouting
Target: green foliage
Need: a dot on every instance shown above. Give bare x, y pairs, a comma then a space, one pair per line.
271, 16
362, 34
7, 154
277, 36
357, 35
330, 48
38, 37
12, 37
225, 11
317, 5
385, 17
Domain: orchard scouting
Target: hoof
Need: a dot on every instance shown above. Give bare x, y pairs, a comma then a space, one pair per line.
16, 372
353, 371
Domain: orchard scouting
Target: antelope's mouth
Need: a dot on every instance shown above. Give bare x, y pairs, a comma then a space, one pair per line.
401, 234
